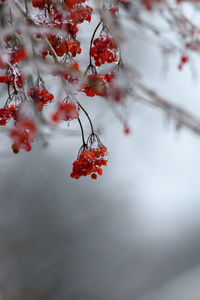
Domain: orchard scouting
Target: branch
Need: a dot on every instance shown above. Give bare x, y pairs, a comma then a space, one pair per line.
182, 117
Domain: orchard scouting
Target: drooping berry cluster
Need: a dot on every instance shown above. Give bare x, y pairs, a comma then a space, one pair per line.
66, 111
70, 75
41, 96
13, 79
74, 13
103, 85
62, 47
104, 50
90, 160
18, 55
12, 56
23, 134
81, 14
9, 60
6, 114
11, 108
95, 85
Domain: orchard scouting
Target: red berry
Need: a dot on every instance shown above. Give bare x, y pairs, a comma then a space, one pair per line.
94, 176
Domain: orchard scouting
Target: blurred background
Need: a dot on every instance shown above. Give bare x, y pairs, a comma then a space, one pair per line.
133, 233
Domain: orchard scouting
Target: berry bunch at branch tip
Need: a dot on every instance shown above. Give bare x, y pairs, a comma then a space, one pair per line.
66, 111
23, 134
11, 108
6, 113
91, 158
104, 50
40, 94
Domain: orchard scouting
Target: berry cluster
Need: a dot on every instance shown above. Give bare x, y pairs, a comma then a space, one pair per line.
66, 111
104, 50
11, 108
89, 162
114, 91
56, 18
81, 14
41, 96
68, 20
103, 85
9, 60
95, 85
74, 48
23, 134
13, 79
70, 74
12, 56
18, 55
7, 113
62, 47
59, 45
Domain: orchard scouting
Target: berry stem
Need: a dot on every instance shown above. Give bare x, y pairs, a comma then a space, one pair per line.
9, 95
91, 125
82, 132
